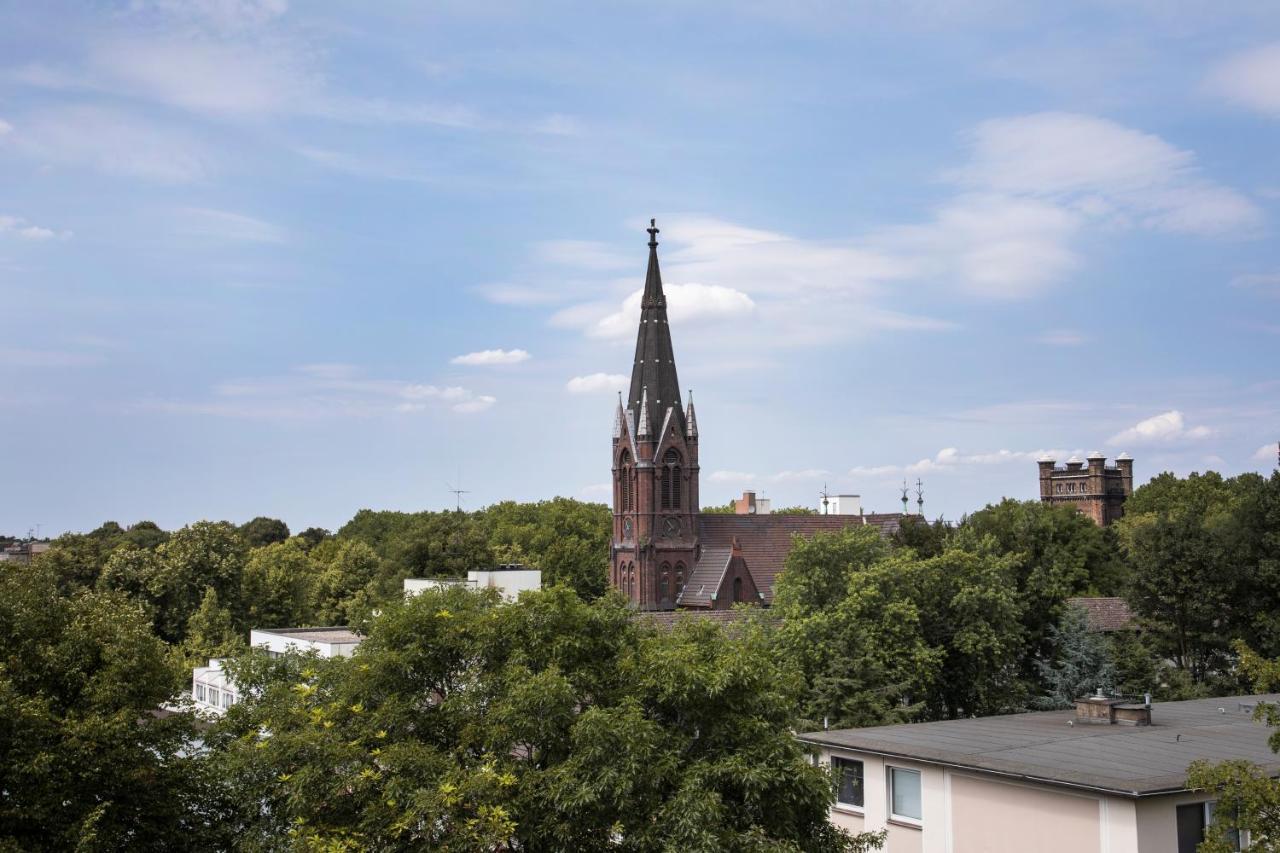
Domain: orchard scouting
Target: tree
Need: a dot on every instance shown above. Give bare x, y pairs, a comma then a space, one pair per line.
76, 559
1081, 661
565, 538
348, 581
146, 534
210, 631
313, 536
549, 724
87, 763
817, 570
201, 555
277, 586
264, 531
1175, 535
1248, 798
928, 539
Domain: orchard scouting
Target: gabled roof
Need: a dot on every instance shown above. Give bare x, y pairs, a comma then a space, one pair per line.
1105, 614
765, 540
653, 373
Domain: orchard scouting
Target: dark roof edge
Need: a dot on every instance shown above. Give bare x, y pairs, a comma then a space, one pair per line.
1026, 777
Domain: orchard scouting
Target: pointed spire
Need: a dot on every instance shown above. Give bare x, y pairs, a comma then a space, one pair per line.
644, 413
691, 430
654, 365
653, 295
617, 418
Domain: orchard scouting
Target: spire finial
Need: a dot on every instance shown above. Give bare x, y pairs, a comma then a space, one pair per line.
653, 233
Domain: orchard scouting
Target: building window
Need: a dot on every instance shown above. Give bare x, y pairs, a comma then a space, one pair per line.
213, 696
1192, 819
849, 790
624, 486
904, 795
671, 480
737, 589
664, 583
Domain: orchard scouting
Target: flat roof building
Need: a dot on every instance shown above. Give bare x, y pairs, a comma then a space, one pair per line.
1079, 781
510, 581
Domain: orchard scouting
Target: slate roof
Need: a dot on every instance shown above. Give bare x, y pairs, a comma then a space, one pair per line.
667, 619
705, 578
765, 540
336, 634
1104, 615
653, 373
1131, 761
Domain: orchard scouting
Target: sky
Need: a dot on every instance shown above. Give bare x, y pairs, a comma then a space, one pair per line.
261, 257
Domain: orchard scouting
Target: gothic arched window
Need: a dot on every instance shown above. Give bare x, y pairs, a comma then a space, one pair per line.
671, 479
624, 484
664, 583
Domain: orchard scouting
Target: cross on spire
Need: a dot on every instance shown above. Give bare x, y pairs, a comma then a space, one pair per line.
653, 233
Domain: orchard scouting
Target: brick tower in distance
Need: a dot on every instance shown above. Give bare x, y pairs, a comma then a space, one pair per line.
1093, 488
655, 464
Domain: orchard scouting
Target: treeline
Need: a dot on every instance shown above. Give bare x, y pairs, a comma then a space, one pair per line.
203, 587
972, 619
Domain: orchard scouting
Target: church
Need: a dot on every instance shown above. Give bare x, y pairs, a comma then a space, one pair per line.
665, 553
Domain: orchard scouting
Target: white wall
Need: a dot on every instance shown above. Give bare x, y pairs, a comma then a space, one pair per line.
509, 582
280, 644
978, 813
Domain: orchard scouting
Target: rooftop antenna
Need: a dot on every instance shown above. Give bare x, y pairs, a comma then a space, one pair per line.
458, 491
825, 498
920, 497
904, 497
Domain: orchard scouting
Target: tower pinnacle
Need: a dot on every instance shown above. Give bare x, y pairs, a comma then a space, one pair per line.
653, 233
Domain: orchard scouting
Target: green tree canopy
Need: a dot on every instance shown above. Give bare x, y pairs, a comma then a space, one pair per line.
87, 763
550, 724
264, 531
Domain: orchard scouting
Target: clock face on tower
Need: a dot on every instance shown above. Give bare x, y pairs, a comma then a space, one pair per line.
671, 528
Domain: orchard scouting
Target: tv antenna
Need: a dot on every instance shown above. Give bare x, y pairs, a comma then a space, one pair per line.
458, 491
825, 498
904, 497
920, 497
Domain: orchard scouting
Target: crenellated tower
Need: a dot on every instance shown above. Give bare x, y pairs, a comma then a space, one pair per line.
655, 464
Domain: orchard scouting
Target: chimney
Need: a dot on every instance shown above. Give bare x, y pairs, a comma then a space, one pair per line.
1099, 710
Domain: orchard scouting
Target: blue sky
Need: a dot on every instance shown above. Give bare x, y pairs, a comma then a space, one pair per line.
295, 259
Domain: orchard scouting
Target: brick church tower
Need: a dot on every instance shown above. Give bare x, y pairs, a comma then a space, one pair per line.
655, 464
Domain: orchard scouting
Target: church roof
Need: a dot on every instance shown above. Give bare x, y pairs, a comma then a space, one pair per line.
704, 580
765, 540
653, 374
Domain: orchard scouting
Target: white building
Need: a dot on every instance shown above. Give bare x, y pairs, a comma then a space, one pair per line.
510, 581
326, 642
1109, 777
213, 691
841, 505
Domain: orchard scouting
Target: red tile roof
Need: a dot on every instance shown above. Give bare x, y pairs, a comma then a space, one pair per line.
765, 540
1104, 615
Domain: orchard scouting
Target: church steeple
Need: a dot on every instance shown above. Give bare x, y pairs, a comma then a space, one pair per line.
656, 525
655, 366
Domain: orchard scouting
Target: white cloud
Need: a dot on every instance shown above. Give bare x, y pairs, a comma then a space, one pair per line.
111, 142
5, 127
1266, 283
1250, 79
951, 458
1104, 171
596, 383
317, 391
226, 225
1167, 427
686, 304
731, 477
1062, 337
490, 357
19, 227
1265, 453
597, 489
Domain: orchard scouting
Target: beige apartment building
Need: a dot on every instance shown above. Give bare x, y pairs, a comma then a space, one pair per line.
1107, 777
